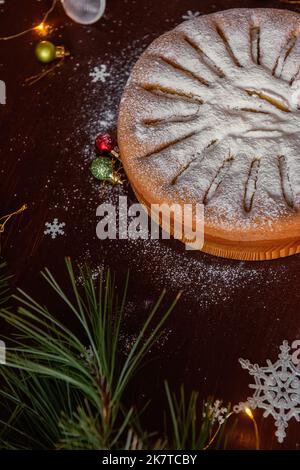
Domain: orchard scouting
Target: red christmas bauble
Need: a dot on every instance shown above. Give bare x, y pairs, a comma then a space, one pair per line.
105, 143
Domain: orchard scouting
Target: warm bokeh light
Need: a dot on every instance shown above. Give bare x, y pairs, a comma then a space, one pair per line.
249, 412
42, 28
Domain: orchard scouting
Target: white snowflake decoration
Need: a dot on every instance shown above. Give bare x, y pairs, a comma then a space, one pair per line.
277, 390
54, 228
99, 74
191, 15
89, 356
215, 412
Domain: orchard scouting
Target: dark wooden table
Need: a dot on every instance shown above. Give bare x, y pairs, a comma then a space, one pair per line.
229, 309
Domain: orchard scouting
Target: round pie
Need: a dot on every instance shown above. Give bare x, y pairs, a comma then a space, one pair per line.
211, 115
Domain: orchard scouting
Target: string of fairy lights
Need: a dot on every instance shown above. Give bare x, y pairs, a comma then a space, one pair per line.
45, 51
45, 54
42, 27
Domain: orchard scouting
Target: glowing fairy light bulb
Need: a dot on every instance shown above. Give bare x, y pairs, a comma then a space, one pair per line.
81, 11
43, 29
248, 412
40, 27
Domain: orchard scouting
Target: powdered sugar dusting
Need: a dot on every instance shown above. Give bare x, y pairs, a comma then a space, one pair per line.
102, 111
206, 280
210, 92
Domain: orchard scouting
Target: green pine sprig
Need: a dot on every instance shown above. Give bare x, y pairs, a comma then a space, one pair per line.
53, 382
65, 387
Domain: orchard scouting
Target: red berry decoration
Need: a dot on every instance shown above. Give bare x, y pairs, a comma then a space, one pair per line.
105, 143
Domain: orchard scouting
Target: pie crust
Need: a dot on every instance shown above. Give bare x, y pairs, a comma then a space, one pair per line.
211, 115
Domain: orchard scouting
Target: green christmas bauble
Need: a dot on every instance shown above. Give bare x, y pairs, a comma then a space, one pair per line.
102, 169
45, 52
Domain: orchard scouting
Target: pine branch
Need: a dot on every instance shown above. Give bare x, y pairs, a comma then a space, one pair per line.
58, 392
66, 389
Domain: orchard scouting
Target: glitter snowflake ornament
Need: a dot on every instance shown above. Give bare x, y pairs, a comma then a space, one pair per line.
191, 15
99, 74
215, 412
277, 390
88, 357
54, 228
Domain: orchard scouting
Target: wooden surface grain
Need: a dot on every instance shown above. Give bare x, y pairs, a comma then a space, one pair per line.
229, 309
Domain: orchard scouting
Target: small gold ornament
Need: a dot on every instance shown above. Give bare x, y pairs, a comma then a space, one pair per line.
47, 52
